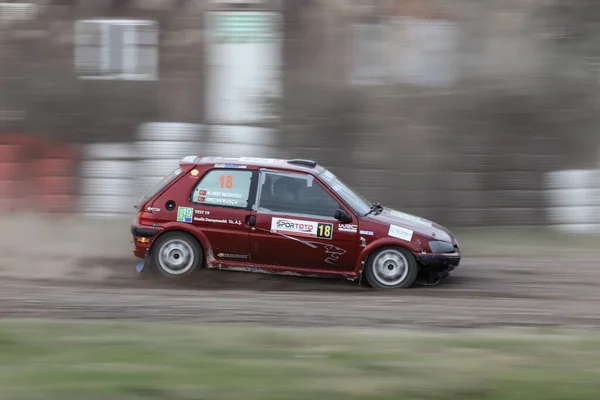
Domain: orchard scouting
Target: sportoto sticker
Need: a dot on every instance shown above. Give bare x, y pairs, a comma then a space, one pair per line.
296, 227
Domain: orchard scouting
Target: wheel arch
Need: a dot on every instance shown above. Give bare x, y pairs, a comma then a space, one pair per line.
378, 244
196, 234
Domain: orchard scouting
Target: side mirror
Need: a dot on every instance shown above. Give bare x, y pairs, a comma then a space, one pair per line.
342, 216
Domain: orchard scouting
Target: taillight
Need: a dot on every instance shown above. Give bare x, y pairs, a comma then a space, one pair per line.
145, 217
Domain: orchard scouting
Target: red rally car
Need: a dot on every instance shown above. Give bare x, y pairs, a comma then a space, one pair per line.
291, 217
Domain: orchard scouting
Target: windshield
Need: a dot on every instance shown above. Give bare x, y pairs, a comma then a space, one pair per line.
161, 185
359, 204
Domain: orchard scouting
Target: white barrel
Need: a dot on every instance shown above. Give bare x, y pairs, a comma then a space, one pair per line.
145, 183
107, 169
108, 206
239, 150
169, 131
108, 151
574, 215
108, 180
241, 141
573, 179
573, 197
573, 200
152, 150
153, 168
107, 187
576, 228
242, 134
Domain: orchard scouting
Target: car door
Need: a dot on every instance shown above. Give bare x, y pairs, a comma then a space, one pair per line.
220, 205
295, 225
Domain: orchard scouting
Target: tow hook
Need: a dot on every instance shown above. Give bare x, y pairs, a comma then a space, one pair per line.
432, 281
435, 278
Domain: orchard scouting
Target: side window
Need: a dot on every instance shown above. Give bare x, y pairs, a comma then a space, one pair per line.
295, 194
229, 188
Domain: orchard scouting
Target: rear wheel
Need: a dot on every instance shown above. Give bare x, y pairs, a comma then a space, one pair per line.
176, 254
391, 267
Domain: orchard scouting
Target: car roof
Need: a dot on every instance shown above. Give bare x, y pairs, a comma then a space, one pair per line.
275, 163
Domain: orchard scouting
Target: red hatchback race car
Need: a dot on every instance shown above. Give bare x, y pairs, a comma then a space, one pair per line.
291, 217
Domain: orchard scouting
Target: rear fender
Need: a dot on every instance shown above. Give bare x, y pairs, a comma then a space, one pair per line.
195, 232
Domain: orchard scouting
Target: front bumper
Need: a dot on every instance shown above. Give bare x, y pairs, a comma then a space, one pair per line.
439, 260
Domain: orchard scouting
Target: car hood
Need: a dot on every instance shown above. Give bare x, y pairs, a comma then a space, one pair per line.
417, 224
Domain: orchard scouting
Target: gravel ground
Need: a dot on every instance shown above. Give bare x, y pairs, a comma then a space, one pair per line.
481, 293
71, 267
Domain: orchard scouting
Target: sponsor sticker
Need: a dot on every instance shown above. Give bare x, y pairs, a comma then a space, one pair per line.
237, 256
295, 227
348, 228
400, 233
211, 220
369, 233
185, 214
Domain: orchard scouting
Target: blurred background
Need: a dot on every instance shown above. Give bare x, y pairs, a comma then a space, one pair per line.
472, 113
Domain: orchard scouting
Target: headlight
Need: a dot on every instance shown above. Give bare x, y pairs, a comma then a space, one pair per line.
441, 247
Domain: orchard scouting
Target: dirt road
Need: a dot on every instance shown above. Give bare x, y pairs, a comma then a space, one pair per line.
481, 293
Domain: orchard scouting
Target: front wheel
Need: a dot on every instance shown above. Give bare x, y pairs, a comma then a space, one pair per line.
176, 254
391, 267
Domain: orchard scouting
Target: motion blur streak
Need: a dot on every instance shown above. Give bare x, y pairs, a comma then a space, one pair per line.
481, 116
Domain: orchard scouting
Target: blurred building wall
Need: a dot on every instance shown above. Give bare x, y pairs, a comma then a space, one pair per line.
451, 110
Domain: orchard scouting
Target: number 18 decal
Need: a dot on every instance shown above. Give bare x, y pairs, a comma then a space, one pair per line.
325, 231
226, 181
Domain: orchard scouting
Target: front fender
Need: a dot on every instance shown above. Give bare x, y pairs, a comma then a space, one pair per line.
387, 241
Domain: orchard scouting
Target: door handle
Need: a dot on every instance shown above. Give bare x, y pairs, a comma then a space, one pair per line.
251, 220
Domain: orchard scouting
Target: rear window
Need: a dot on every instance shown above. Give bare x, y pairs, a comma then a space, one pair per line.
162, 184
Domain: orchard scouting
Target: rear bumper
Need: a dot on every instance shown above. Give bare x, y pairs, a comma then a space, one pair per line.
439, 260
143, 231
143, 236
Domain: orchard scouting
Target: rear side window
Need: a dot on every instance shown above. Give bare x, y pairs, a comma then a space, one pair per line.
224, 187
162, 184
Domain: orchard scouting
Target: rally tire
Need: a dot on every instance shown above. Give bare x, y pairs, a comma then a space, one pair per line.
391, 267
176, 254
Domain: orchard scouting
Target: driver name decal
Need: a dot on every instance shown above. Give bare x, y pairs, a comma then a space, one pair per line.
295, 227
400, 233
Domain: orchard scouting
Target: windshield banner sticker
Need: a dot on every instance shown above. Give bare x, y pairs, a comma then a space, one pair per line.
230, 166
400, 233
297, 227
